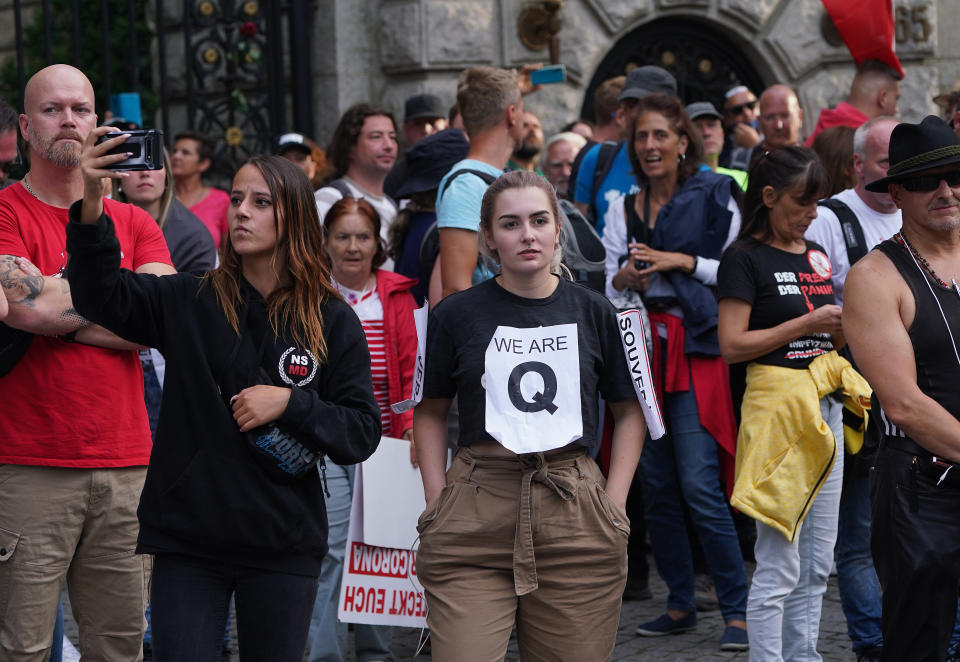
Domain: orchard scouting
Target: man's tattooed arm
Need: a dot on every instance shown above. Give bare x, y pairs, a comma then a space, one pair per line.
39, 304
19, 287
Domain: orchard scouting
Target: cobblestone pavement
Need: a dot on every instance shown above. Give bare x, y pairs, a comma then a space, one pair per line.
701, 645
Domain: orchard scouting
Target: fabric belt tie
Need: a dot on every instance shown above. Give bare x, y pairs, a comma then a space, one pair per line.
535, 468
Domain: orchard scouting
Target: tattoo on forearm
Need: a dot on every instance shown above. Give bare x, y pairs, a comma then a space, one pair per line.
18, 286
71, 317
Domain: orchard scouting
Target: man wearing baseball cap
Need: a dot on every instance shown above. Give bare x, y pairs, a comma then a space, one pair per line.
423, 115
298, 149
708, 122
901, 316
604, 172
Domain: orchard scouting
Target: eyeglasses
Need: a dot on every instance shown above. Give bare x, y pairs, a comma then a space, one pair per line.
927, 183
736, 110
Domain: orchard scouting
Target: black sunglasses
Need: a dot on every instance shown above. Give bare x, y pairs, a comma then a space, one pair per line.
736, 110
927, 183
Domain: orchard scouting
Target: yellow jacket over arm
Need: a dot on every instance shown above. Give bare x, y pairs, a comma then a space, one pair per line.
785, 449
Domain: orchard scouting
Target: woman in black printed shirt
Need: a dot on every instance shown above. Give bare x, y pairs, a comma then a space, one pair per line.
520, 530
777, 312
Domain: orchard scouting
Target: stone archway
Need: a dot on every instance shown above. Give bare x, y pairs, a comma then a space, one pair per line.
703, 59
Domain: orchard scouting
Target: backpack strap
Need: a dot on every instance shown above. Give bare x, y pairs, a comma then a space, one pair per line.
429, 249
341, 186
575, 168
850, 228
605, 157
485, 176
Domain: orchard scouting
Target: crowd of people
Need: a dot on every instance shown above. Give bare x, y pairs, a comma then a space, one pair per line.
190, 375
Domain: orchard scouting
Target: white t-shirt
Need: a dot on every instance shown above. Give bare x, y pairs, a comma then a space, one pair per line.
826, 231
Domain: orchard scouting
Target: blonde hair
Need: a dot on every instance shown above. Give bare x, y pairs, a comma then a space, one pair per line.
516, 179
483, 94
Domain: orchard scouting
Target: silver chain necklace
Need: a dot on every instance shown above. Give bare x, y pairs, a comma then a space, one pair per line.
26, 185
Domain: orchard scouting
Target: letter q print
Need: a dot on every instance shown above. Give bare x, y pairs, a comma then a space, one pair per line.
532, 383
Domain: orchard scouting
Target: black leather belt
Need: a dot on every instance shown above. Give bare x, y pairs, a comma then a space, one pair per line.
905, 445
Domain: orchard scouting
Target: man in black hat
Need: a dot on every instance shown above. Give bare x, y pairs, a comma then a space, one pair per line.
423, 115
901, 316
605, 171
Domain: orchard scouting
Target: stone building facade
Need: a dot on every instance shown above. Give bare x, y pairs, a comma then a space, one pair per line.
387, 50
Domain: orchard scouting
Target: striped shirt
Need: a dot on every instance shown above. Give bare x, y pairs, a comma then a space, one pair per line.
369, 309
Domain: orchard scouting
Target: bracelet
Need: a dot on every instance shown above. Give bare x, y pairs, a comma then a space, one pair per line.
696, 261
69, 337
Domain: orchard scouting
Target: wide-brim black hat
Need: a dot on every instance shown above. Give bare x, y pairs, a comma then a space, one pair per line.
425, 164
916, 148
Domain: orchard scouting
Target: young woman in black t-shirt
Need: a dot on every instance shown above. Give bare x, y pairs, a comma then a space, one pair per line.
777, 312
520, 530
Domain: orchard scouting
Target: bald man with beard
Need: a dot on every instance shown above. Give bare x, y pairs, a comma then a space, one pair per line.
74, 438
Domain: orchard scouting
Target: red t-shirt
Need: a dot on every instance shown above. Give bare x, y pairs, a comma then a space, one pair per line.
212, 210
68, 404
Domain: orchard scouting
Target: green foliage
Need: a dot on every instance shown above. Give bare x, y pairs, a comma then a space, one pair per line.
91, 51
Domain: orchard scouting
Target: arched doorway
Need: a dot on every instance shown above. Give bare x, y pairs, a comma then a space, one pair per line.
704, 61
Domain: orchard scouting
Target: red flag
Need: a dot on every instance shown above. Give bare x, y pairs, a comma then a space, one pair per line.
866, 27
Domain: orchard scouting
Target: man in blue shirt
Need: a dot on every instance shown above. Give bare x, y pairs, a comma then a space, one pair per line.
618, 180
491, 106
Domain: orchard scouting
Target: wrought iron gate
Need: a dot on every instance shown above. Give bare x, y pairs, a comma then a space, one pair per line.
233, 80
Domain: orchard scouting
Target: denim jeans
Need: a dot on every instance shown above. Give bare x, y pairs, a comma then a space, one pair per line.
56, 648
856, 576
786, 596
328, 637
680, 468
191, 598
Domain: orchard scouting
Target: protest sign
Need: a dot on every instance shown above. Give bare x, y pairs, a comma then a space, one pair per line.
380, 585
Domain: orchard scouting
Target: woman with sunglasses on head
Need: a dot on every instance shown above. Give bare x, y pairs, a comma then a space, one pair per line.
664, 243
777, 313
267, 369
520, 530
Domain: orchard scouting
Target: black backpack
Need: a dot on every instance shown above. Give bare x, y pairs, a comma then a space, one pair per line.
850, 227
859, 465
583, 251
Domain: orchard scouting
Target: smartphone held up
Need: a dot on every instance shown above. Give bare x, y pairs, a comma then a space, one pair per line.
144, 145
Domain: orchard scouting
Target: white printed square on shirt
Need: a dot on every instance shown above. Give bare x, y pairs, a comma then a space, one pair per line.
532, 383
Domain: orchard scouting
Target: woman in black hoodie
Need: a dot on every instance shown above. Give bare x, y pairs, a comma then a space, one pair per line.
259, 350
